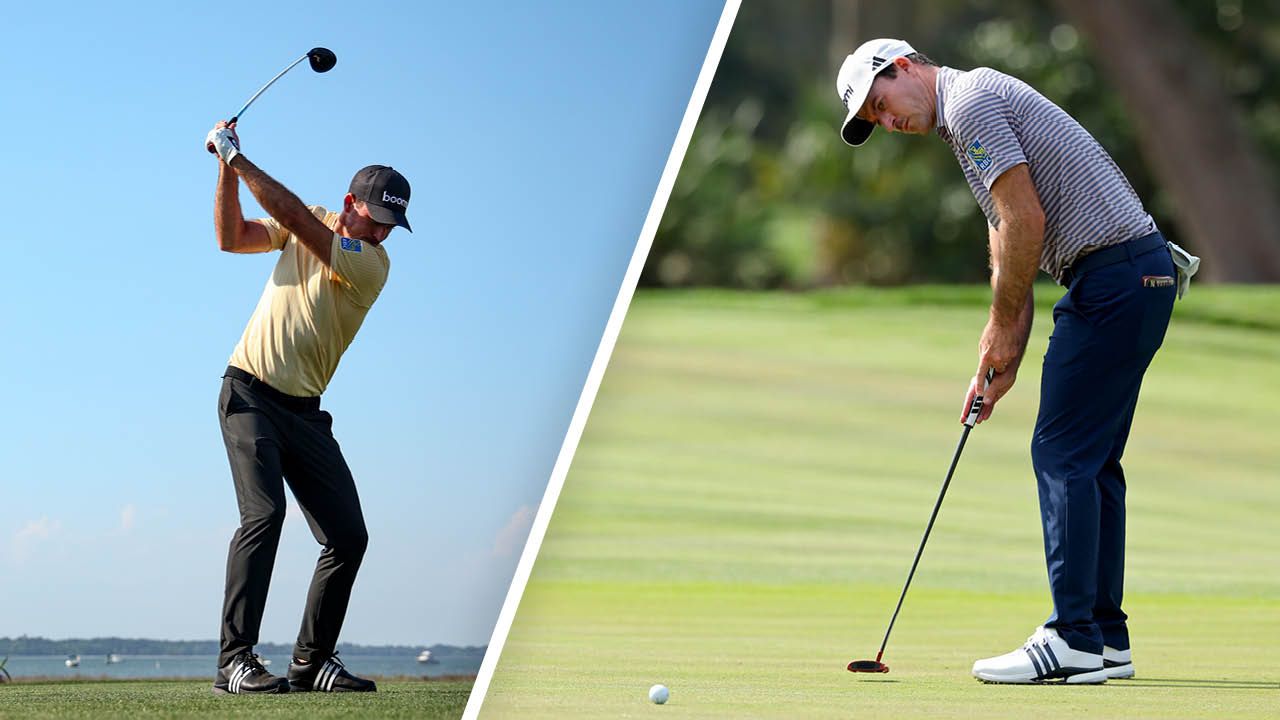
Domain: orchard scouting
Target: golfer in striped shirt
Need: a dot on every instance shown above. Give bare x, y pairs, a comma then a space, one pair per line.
1054, 200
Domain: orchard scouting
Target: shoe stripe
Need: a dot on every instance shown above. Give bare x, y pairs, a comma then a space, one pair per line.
333, 675
323, 681
1044, 660
1049, 650
323, 678
236, 676
317, 684
1035, 662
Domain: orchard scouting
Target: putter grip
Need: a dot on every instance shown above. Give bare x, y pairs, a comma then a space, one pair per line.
975, 409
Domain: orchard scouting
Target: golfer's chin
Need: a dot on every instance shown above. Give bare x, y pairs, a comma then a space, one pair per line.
915, 126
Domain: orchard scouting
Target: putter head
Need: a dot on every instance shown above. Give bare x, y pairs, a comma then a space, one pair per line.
868, 666
322, 59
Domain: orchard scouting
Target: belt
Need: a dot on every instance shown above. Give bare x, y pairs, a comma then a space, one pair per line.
258, 386
1113, 254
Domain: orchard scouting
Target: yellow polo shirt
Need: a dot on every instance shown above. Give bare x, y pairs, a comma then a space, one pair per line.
309, 313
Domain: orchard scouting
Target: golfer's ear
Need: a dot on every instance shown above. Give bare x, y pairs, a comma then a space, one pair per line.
348, 201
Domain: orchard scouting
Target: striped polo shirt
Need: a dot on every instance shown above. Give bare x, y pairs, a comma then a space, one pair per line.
993, 122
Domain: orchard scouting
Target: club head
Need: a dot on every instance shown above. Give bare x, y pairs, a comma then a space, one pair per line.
868, 666
322, 59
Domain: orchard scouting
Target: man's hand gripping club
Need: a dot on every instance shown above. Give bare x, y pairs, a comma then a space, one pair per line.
223, 141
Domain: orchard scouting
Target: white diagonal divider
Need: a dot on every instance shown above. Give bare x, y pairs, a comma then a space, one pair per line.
601, 361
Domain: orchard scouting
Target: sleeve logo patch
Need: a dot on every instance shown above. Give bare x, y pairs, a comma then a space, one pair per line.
978, 155
351, 245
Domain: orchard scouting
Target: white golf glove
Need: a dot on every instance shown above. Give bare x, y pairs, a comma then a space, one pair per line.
1187, 265
224, 143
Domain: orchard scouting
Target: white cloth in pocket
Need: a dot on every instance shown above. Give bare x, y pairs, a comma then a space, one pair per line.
1187, 265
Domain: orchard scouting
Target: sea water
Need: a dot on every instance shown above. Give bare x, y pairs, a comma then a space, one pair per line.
196, 666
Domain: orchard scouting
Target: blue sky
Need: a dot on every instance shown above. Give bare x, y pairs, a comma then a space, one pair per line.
533, 136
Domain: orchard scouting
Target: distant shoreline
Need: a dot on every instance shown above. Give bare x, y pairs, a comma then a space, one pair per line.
141, 646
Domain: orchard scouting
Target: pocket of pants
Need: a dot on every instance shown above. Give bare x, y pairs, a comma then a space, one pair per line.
1100, 293
229, 401
223, 395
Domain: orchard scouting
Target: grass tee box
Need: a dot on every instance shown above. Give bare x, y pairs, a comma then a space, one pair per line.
756, 474
137, 699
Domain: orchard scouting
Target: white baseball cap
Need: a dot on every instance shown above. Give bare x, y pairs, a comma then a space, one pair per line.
854, 82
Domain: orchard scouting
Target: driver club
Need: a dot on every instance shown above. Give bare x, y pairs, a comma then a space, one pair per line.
875, 666
321, 59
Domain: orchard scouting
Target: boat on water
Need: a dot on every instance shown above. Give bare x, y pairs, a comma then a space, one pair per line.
113, 658
425, 657
72, 661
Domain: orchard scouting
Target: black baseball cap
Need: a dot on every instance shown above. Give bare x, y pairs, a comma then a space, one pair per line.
385, 192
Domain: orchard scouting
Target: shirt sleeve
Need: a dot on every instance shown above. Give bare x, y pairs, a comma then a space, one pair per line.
279, 234
275, 231
360, 267
980, 122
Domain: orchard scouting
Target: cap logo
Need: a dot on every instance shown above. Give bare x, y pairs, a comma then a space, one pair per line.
389, 198
848, 90
876, 62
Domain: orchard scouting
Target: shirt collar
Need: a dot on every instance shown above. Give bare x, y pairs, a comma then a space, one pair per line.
943, 83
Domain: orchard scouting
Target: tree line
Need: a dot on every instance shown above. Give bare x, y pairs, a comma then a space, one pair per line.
1184, 94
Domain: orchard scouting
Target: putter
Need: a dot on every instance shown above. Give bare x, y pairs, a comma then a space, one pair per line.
322, 60
875, 666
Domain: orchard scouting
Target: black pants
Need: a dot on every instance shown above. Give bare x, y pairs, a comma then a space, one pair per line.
271, 439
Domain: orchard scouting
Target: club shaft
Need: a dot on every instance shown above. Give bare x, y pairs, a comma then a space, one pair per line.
264, 87
928, 528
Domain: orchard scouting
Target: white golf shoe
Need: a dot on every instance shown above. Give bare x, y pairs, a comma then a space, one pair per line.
1117, 663
1045, 657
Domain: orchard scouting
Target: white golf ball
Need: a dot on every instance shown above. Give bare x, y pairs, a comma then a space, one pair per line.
659, 694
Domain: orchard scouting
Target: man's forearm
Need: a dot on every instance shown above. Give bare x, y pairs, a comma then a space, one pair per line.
275, 198
1023, 324
1016, 247
227, 217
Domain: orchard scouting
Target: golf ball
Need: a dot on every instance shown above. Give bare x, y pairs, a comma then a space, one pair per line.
659, 694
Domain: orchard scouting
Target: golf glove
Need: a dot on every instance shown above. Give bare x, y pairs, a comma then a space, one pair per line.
223, 141
1187, 265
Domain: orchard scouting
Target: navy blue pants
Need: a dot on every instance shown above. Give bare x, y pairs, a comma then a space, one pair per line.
1106, 330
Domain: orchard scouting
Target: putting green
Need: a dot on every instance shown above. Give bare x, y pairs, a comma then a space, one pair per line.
756, 474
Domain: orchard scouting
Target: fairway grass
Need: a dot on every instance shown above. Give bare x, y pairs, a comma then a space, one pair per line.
757, 470
132, 699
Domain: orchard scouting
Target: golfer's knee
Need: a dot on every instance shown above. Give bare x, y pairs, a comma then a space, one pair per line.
263, 519
1043, 454
352, 544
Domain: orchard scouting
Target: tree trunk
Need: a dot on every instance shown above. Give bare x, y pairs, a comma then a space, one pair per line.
1191, 133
